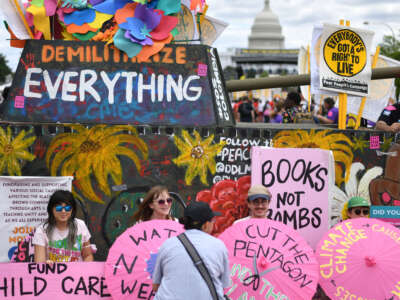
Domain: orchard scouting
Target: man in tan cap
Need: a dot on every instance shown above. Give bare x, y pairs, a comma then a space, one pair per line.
258, 199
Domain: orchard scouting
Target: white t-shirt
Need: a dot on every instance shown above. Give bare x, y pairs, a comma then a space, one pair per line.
242, 219
57, 248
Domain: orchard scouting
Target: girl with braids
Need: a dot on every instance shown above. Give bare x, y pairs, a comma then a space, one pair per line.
156, 205
62, 237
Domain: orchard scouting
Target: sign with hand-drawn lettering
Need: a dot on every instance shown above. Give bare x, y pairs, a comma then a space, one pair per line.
23, 206
366, 250
345, 60
132, 258
269, 260
90, 82
61, 281
300, 181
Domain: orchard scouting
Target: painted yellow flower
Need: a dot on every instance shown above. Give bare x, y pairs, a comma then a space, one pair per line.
13, 151
197, 155
338, 143
360, 143
93, 152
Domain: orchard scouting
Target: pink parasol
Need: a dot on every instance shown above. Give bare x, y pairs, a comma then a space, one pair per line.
360, 259
131, 259
269, 260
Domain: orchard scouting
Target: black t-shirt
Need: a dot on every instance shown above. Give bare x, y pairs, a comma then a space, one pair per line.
245, 110
391, 114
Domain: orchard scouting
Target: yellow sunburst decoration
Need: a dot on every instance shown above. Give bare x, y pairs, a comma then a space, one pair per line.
94, 151
338, 143
13, 151
197, 154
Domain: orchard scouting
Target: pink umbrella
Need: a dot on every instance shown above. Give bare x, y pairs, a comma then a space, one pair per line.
360, 259
131, 259
269, 260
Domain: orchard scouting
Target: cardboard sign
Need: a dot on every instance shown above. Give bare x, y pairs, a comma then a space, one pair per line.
24, 206
300, 181
90, 82
345, 60
59, 281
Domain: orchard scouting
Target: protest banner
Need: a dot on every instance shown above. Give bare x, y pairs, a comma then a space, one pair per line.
300, 181
389, 214
24, 206
90, 82
345, 63
382, 91
69, 281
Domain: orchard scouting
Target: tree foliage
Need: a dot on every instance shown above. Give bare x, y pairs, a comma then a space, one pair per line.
4, 69
390, 47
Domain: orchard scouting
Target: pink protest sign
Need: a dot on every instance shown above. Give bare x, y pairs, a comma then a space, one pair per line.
374, 142
202, 70
69, 281
300, 181
19, 102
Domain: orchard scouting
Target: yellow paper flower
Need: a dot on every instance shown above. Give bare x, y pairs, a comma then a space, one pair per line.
338, 143
87, 153
197, 154
13, 151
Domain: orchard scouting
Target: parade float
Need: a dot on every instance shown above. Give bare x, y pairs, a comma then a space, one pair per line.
122, 95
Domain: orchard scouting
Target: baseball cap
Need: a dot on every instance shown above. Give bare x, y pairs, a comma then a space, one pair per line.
258, 191
200, 211
357, 201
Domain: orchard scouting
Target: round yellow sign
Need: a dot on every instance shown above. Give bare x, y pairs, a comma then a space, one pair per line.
345, 53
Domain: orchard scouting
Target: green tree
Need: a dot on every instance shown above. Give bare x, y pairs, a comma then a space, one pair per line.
390, 47
230, 73
4, 69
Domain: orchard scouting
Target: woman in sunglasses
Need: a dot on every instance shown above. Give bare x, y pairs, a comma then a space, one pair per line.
62, 237
358, 207
156, 205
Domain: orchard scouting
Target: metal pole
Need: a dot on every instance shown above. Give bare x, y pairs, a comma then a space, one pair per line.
296, 80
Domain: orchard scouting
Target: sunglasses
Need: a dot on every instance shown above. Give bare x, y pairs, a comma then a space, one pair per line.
66, 208
162, 201
358, 211
260, 201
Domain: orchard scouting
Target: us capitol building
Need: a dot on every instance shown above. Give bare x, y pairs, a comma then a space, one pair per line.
266, 50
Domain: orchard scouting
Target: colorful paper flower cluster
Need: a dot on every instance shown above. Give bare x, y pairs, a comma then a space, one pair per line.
138, 27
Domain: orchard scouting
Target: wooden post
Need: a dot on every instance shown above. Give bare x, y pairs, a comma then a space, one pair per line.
343, 98
309, 72
364, 99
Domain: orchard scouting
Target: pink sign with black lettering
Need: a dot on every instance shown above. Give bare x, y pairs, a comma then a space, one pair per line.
61, 281
300, 181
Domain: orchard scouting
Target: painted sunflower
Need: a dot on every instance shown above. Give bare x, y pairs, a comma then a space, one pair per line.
338, 143
14, 151
197, 154
95, 151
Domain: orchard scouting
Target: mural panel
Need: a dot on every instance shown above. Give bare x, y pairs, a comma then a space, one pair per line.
114, 166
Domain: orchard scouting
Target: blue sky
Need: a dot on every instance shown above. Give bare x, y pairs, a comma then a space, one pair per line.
297, 18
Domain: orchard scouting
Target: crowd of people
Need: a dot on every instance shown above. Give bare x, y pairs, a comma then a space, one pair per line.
65, 238
294, 109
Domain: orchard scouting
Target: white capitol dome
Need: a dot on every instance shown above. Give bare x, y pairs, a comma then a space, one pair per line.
266, 32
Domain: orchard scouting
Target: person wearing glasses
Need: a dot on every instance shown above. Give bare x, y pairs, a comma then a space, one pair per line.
358, 207
62, 237
156, 205
258, 199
